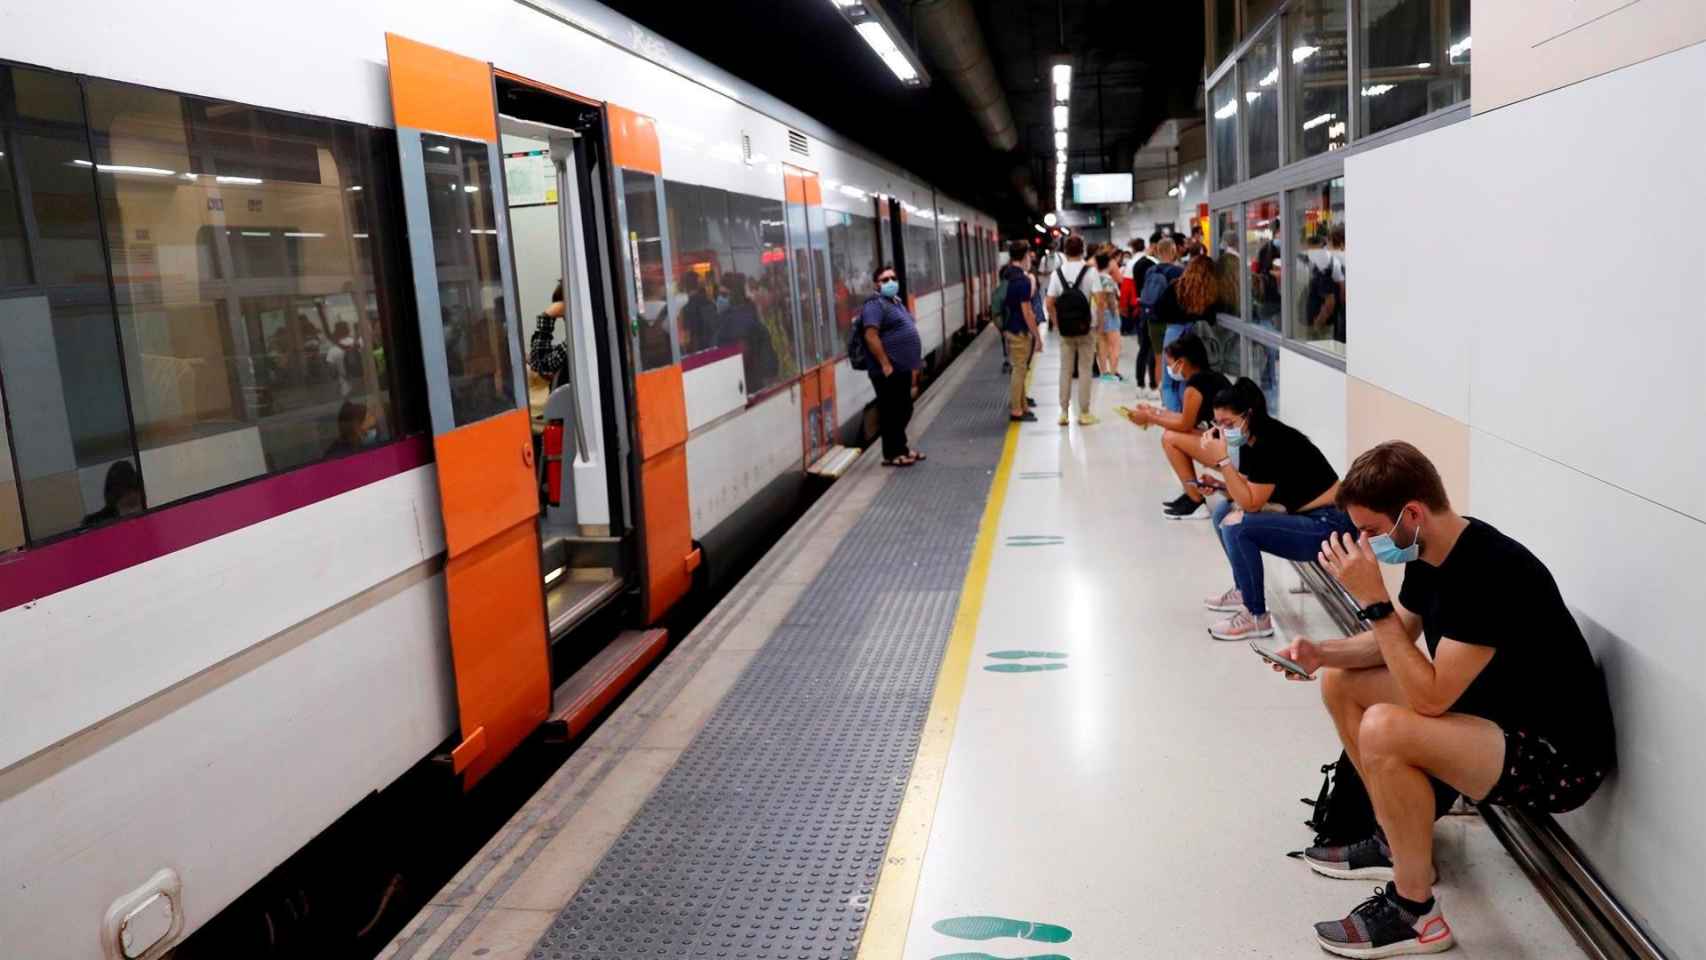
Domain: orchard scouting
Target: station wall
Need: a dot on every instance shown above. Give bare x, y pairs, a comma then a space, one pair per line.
1551, 365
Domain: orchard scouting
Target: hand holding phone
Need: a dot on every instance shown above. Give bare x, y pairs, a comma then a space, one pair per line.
1291, 668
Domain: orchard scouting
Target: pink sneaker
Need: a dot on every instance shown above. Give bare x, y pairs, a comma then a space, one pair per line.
1242, 626
1231, 601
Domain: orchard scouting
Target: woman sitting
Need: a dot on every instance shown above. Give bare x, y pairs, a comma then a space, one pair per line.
1265, 463
1181, 441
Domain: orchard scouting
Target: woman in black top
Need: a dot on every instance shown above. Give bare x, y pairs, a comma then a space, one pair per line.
1181, 439
1265, 463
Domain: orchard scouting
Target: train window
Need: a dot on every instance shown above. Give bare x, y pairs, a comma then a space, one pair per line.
646, 268
852, 259
953, 271
922, 267
697, 217
11, 514
761, 256
819, 234
72, 463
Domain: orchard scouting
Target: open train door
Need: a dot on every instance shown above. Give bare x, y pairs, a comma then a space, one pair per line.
453, 192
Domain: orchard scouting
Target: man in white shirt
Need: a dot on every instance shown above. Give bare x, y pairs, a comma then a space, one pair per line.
1069, 290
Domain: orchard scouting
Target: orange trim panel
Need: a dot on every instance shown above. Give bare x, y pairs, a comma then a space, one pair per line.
662, 402
485, 479
669, 534
440, 91
634, 140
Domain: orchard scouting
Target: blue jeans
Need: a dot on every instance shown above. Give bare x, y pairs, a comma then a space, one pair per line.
1173, 391
1289, 536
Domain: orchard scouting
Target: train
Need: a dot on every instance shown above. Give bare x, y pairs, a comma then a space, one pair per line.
353, 360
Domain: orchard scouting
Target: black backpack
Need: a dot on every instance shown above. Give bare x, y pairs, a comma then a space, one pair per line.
1072, 307
858, 354
1343, 812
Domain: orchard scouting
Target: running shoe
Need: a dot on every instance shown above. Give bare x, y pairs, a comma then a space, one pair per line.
1367, 859
1026, 417
1065, 419
1185, 508
1231, 601
1088, 419
1242, 626
1382, 927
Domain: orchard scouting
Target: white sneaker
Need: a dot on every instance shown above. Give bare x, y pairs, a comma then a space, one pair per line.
1242, 626
1231, 601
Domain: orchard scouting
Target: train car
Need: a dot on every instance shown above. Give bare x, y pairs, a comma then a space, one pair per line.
285, 508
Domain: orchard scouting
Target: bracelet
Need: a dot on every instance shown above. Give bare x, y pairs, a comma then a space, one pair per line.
1224, 463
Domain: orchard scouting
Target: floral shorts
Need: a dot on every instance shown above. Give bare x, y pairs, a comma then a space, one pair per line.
1539, 776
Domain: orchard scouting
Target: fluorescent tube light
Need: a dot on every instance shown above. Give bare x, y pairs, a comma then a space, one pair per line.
883, 45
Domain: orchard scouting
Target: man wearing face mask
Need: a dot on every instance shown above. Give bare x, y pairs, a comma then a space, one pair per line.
891, 336
1506, 707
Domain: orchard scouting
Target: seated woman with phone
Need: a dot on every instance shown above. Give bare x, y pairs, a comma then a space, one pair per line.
1264, 463
1181, 440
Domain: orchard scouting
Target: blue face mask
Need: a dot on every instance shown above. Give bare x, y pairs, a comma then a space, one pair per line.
1171, 375
1388, 552
890, 288
722, 302
1234, 437
370, 437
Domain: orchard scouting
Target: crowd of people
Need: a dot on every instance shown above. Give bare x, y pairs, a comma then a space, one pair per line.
1506, 706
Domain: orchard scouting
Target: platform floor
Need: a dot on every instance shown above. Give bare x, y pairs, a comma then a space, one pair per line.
1138, 791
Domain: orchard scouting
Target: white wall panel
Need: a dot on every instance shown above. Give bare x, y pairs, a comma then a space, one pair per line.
732, 461
1408, 332
853, 391
1312, 399
1529, 48
1630, 569
224, 788
156, 623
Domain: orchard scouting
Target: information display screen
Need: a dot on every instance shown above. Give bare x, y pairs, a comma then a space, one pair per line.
1101, 188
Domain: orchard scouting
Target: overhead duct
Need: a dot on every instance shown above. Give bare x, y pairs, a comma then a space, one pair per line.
947, 30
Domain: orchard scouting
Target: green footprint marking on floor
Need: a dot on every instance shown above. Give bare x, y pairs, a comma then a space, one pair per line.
1023, 667
1027, 655
1035, 540
988, 928
1040, 475
985, 956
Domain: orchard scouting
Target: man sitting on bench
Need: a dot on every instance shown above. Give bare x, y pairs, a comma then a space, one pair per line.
1506, 707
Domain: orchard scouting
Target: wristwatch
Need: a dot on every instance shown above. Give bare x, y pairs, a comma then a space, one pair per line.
1375, 611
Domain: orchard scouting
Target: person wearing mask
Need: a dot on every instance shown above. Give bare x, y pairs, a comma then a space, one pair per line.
1019, 328
548, 357
1506, 706
1264, 463
1070, 289
1186, 302
1155, 283
1182, 432
891, 336
1109, 278
358, 429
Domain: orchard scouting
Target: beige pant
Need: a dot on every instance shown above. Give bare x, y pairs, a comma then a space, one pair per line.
1080, 351
1019, 355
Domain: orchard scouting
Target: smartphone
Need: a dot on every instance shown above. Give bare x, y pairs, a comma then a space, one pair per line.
1289, 666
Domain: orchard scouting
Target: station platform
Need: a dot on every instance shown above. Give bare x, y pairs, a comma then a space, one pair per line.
964, 710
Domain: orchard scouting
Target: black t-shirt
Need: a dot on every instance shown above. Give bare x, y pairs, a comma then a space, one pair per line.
1283, 456
1018, 294
1492, 592
1209, 384
1169, 310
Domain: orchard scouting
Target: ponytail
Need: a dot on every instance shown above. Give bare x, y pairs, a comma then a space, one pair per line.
1247, 400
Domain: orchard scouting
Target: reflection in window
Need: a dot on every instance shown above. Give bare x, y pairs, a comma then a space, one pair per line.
1229, 261
922, 268
59, 349
1262, 234
853, 259
953, 270
820, 282
1225, 28
11, 514
800, 256
1256, 11
1225, 131
1261, 73
1318, 312
698, 225
645, 269
1318, 65
1414, 59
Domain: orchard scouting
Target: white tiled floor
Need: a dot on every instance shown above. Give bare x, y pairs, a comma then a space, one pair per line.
1145, 796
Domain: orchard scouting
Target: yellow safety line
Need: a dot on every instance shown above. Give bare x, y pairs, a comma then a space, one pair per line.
897, 886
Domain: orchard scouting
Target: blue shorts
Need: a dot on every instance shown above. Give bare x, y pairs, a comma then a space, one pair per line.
1111, 323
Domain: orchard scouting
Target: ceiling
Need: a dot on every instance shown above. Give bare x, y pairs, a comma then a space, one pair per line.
1134, 65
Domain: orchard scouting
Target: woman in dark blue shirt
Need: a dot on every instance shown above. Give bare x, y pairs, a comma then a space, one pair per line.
891, 336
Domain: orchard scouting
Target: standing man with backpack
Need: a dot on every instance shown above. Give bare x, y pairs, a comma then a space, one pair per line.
1148, 364
1069, 289
884, 342
1018, 327
1155, 285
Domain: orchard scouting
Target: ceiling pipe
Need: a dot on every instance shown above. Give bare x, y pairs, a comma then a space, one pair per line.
948, 32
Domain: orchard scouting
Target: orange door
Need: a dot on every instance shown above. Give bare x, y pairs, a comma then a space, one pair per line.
453, 194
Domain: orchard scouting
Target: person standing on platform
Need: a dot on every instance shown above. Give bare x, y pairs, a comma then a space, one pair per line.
1107, 301
1070, 289
1019, 328
1155, 284
897, 353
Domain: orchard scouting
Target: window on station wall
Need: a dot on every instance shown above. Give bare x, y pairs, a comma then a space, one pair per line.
1413, 58
1224, 130
1318, 291
643, 248
1229, 261
1319, 122
852, 260
1262, 241
1261, 74
1225, 29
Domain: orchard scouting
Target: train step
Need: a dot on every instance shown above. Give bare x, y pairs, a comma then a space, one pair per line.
590, 690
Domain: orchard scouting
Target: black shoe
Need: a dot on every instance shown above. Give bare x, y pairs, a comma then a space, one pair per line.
1381, 926
1367, 859
1006, 367
1185, 509
1026, 417
1181, 498
1030, 401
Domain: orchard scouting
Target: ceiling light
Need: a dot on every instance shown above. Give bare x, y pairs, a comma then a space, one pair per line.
241, 181
1062, 92
1314, 122
1060, 139
1040, 226
1377, 89
1424, 65
1303, 52
1062, 73
1062, 114
880, 37
1271, 79
1227, 112
1050, 219
1253, 95
1456, 51
305, 236
1060, 156
1174, 192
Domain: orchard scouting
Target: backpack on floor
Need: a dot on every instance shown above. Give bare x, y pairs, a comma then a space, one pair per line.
1072, 307
1343, 813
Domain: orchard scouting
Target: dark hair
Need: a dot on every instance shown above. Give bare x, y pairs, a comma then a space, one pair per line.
1189, 348
1389, 476
735, 284
122, 479
1156, 237
1075, 247
1102, 260
557, 294
880, 270
351, 414
1337, 235
1179, 239
1245, 399
1018, 250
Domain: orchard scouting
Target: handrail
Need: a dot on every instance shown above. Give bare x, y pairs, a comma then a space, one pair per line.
1553, 862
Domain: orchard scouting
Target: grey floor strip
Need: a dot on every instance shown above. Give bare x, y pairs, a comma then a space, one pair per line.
766, 839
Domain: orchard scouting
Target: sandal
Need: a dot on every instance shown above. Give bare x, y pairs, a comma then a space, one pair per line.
904, 460
917, 457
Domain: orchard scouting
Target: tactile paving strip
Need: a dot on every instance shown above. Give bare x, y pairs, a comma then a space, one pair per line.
766, 839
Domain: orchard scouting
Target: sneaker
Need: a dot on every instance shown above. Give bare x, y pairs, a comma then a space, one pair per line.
1030, 401
1231, 601
1382, 927
1088, 419
1065, 419
1182, 500
1026, 417
1185, 508
1367, 859
1242, 626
